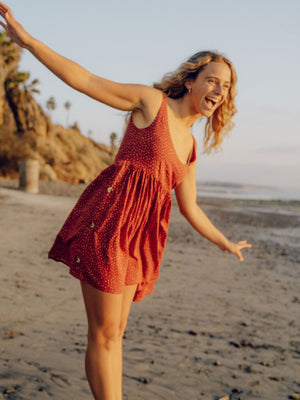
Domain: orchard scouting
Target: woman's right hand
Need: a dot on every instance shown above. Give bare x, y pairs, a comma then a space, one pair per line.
14, 30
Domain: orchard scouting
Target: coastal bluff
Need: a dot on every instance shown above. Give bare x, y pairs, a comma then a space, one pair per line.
27, 132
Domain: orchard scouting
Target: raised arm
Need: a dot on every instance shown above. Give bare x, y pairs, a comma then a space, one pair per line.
186, 194
125, 97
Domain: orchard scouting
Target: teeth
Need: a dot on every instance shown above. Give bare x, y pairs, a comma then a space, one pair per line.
210, 102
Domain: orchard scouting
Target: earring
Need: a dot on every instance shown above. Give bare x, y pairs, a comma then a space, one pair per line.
190, 90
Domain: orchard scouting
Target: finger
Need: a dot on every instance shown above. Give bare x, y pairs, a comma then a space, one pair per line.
3, 9
239, 256
3, 25
246, 246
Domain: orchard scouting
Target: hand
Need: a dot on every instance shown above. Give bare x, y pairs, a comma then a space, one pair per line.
14, 30
235, 248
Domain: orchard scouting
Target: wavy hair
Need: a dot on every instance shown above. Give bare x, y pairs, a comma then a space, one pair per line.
220, 122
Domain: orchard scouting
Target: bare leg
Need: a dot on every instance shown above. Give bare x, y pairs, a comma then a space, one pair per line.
128, 294
106, 313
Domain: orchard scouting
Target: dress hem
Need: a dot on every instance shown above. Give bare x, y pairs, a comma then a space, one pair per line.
139, 294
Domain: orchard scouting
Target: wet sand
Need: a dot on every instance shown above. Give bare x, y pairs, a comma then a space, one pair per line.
214, 327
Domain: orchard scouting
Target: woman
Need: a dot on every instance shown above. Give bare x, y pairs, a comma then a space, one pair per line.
114, 238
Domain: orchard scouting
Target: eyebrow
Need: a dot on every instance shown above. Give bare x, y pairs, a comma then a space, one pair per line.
215, 77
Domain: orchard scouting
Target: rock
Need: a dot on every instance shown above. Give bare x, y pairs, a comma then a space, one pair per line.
249, 369
296, 300
9, 391
145, 381
276, 378
235, 344
295, 396
245, 343
193, 333
19, 283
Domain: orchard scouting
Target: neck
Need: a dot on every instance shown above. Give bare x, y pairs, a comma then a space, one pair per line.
182, 111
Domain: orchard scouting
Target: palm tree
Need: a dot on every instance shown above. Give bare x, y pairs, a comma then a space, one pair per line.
67, 107
113, 137
16, 84
51, 104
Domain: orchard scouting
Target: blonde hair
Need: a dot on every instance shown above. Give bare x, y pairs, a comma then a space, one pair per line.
220, 123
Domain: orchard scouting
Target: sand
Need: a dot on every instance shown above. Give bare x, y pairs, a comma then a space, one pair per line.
214, 327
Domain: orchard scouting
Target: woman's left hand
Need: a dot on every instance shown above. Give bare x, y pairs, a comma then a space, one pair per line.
235, 248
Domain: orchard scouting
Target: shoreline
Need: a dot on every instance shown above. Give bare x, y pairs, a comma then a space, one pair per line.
60, 188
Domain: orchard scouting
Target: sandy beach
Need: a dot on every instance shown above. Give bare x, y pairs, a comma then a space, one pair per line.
214, 328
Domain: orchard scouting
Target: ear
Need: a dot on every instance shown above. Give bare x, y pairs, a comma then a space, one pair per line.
187, 84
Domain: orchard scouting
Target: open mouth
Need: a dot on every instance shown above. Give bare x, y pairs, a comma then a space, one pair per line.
210, 103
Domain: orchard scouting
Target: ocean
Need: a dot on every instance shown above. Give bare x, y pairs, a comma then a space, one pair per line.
246, 192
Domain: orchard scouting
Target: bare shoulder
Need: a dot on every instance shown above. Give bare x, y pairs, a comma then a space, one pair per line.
150, 103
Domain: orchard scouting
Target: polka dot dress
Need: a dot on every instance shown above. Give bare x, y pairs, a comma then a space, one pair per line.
117, 231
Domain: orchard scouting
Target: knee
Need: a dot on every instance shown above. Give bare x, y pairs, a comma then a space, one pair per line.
122, 328
106, 335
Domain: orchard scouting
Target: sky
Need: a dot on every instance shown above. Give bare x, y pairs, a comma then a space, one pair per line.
139, 41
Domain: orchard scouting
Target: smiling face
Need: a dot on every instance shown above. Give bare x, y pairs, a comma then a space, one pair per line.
210, 88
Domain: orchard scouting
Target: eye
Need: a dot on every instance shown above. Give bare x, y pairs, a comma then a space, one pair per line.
212, 81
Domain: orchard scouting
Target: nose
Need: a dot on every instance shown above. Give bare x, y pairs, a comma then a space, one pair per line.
218, 89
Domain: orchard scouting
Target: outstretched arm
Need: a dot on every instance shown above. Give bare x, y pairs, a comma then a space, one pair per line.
186, 194
125, 97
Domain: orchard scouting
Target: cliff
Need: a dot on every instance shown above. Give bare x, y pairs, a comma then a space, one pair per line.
26, 131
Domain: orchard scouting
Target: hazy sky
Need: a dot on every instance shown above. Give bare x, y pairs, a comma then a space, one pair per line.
139, 41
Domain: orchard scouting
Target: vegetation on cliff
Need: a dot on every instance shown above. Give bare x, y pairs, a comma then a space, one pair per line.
26, 131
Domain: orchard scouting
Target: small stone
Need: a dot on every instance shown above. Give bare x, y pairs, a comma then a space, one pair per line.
9, 391
193, 333
249, 369
265, 364
236, 391
295, 396
227, 397
217, 363
245, 343
235, 344
275, 378
255, 383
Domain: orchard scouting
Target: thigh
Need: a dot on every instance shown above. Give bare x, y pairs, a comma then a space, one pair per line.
107, 309
128, 295
101, 308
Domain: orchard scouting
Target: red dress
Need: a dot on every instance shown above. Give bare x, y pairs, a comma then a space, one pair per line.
117, 231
